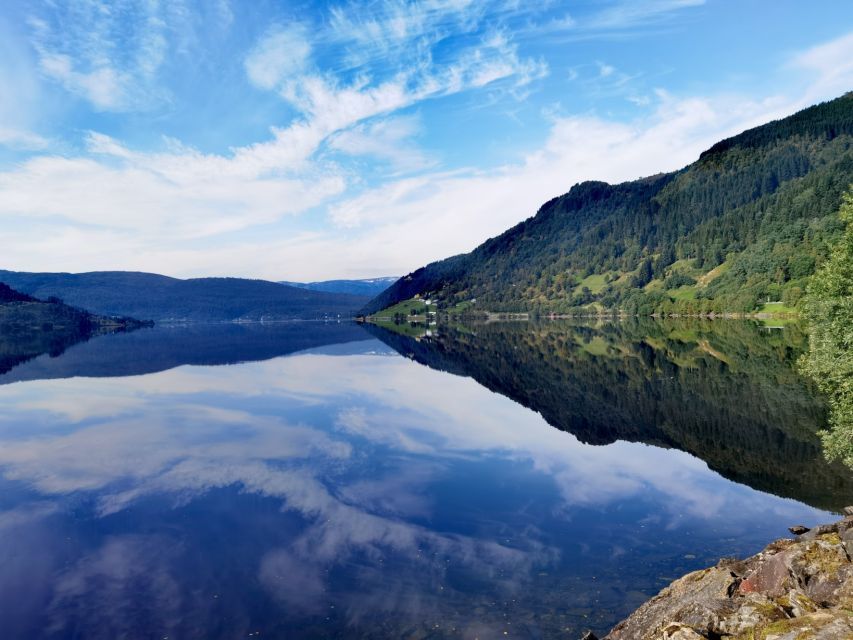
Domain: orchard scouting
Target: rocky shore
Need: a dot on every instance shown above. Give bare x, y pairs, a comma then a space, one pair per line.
795, 589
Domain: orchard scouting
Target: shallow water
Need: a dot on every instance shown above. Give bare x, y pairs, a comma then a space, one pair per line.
308, 480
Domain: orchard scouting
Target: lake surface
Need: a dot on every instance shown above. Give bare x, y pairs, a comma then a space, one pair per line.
311, 480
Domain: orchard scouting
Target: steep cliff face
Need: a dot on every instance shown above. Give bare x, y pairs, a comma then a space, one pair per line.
793, 590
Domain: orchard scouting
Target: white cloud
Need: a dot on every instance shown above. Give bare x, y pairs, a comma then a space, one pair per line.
101, 86
279, 54
391, 29
830, 66
107, 54
635, 13
605, 70
149, 202
390, 139
24, 140
157, 197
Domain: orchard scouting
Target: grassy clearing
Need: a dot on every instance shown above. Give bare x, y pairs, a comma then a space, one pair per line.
687, 292
595, 283
685, 265
405, 308
459, 308
776, 307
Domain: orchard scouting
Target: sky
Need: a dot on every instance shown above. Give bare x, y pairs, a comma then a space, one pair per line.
317, 140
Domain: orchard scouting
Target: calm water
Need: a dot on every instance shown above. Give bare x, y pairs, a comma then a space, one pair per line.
334, 481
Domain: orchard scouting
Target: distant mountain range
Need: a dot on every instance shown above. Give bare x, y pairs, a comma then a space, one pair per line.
372, 287
745, 224
160, 298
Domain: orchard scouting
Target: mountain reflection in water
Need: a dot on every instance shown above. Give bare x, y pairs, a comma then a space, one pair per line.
327, 487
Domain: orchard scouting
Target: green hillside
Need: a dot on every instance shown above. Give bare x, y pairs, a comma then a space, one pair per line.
746, 224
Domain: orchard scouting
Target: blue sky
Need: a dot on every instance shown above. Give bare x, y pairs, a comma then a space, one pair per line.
302, 141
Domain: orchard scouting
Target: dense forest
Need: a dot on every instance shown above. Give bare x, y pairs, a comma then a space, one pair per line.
151, 296
728, 393
747, 224
829, 309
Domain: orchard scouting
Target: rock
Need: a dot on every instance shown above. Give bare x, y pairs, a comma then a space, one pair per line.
792, 590
678, 631
771, 578
845, 525
820, 530
589, 635
847, 511
798, 530
847, 541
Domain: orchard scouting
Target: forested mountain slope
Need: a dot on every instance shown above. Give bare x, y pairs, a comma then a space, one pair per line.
745, 224
155, 297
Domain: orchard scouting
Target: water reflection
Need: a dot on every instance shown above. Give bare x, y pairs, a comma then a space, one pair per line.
337, 492
727, 392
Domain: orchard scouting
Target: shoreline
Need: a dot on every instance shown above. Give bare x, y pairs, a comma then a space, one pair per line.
492, 316
794, 589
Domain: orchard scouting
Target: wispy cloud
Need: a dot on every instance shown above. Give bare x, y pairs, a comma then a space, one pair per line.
279, 54
830, 64
24, 140
386, 29
389, 139
107, 53
626, 14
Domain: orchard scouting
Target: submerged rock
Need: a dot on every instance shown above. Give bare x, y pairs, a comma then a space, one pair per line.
792, 590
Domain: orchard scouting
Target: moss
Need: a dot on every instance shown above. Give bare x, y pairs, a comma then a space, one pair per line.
826, 561
831, 538
786, 626
696, 575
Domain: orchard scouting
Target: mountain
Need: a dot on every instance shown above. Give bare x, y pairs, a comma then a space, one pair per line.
30, 327
161, 298
371, 287
745, 224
